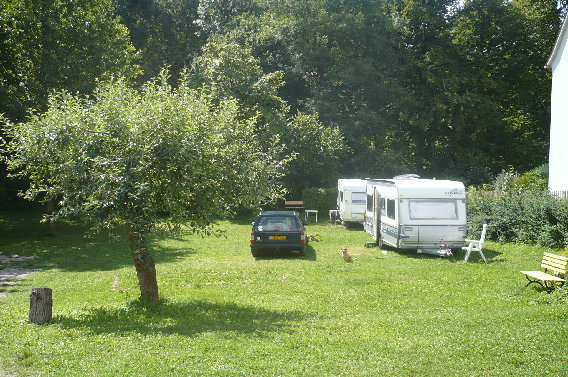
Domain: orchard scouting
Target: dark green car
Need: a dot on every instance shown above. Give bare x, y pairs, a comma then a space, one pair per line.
278, 230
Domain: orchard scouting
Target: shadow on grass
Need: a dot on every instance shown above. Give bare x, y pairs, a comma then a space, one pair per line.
14, 286
357, 227
491, 255
284, 254
67, 247
186, 319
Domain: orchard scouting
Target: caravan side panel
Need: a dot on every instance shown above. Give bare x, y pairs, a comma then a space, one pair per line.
351, 199
418, 214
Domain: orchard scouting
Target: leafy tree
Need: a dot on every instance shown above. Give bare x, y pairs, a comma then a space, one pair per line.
142, 159
433, 108
505, 46
318, 151
216, 15
48, 45
54, 45
338, 60
164, 32
228, 70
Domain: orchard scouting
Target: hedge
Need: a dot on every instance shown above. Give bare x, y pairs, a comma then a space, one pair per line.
320, 199
533, 217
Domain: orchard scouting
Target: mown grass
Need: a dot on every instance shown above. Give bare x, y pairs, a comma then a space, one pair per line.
227, 314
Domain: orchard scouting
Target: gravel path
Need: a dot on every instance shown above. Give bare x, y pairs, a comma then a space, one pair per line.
10, 274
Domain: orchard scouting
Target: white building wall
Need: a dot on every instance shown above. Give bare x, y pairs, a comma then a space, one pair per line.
558, 158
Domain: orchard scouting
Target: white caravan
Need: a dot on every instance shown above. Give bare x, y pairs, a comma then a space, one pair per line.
416, 214
351, 199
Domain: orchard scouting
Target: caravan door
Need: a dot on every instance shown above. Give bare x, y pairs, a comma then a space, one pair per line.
358, 201
377, 217
389, 226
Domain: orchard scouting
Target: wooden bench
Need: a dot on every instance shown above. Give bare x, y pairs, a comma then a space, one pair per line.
556, 264
294, 204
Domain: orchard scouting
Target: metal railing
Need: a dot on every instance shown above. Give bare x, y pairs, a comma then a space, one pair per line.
560, 194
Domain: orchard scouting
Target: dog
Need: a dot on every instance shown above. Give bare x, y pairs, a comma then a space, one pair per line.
346, 256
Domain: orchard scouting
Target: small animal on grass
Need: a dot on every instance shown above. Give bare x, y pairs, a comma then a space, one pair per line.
314, 237
346, 256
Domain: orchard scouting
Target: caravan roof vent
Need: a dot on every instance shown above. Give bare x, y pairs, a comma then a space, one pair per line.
407, 176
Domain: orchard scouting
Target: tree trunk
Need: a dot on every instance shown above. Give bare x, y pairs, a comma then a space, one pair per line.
145, 266
50, 210
40, 305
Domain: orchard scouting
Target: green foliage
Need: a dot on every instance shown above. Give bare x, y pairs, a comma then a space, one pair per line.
533, 180
164, 32
215, 15
320, 199
518, 209
228, 70
440, 88
505, 67
58, 45
142, 156
339, 61
437, 87
52, 45
318, 151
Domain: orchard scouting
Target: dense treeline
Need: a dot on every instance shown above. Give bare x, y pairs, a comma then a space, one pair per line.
355, 88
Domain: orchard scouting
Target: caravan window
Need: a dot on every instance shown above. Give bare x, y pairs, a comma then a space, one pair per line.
358, 198
391, 208
433, 209
369, 203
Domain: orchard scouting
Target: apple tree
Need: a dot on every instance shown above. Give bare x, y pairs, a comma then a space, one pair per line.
137, 159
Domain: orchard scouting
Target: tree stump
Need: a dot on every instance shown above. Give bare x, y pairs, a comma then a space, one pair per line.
40, 305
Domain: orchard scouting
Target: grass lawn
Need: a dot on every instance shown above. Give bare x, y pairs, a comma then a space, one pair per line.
226, 314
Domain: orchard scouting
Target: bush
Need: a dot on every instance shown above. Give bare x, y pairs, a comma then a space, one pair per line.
321, 199
524, 216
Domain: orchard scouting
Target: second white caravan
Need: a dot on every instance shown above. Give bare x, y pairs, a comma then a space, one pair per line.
416, 214
351, 199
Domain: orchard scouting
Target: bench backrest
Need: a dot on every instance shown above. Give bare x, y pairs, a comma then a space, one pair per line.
294, 204
556, 263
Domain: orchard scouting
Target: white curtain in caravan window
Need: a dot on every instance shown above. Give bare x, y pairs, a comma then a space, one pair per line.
433, 209
358, 198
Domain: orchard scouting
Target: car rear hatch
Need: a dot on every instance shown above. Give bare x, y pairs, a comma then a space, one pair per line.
278, 237
278, 230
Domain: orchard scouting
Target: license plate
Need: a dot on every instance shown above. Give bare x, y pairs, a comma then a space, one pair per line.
277, 238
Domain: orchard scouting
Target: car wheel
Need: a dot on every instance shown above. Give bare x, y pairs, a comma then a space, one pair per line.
256, 253
303, 251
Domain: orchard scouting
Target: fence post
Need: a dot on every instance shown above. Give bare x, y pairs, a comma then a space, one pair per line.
41, 305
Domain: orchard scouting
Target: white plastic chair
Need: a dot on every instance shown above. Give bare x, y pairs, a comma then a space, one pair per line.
476, 245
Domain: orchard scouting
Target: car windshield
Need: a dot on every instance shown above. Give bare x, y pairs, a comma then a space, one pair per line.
278, 223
